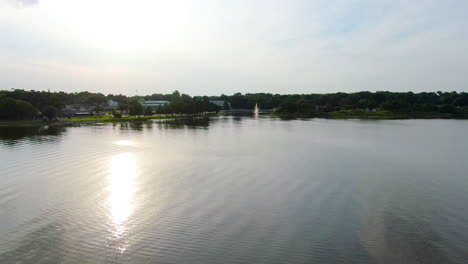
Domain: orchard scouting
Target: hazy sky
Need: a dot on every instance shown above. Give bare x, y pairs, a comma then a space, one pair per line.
219, 46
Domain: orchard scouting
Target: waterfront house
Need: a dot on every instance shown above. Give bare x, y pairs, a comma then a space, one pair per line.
70, 112
67, 112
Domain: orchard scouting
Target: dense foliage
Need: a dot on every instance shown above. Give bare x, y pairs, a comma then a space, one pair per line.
441, 102
361, 100
50, 112
135, 108
296, 104
184, 104
16, 109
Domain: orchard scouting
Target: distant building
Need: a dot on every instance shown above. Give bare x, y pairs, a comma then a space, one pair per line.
221, 103
153, 104
70, 112
112, 104
84, 113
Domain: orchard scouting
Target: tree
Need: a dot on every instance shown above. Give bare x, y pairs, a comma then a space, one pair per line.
116, 114
175, 96
226, 105
99, 109
123, 106
136, 109
7, 108
50, 112
96, 99
56, 101
24, 109
148, 111
287, 107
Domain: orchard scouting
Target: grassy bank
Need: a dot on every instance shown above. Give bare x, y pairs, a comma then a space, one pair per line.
86, 120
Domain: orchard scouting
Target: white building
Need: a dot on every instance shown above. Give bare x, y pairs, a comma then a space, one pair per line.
112, 104
153, 104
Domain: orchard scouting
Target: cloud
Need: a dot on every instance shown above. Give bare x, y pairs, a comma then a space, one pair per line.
24, 3
221, 46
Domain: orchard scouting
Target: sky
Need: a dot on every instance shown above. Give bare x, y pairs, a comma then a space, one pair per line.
211, 47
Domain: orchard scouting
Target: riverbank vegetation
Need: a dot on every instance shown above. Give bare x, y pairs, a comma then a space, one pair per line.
19, 104
375, 105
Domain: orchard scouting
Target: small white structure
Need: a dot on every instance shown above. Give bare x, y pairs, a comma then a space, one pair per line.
112, 104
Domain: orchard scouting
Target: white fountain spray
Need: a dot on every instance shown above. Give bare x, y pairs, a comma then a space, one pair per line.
256, 110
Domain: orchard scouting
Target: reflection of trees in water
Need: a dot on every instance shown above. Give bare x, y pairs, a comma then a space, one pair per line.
11, 135
136, 125
412, 240
40, 246
392, 237
194, 122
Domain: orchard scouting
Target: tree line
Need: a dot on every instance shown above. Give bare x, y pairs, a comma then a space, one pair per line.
393, 101
17, 103
20, 104
179, 104
409, 102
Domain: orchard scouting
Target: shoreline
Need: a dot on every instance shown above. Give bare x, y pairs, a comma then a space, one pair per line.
110, 119
88, 120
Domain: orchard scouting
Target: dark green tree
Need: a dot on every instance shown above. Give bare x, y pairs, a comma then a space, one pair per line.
24, 109
135, 108
148, 111
99, 109
50, 112
7, 108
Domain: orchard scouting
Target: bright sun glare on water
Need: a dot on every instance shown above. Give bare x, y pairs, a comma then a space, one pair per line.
121, 191
124, 143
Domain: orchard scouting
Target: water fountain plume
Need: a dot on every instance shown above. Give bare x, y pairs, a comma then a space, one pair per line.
256, 111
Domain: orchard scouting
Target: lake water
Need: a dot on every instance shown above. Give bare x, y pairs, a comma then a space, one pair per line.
236, 190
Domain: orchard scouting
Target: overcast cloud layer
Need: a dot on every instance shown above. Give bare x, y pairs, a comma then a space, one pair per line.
215, 46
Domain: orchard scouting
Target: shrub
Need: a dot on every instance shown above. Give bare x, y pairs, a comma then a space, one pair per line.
117, 114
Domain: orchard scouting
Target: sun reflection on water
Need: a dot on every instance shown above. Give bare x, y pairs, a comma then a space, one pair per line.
124, 143
121, 191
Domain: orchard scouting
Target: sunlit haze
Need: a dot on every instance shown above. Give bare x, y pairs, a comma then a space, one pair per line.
209, 47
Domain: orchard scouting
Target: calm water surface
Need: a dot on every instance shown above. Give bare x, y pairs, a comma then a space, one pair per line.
236, 190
